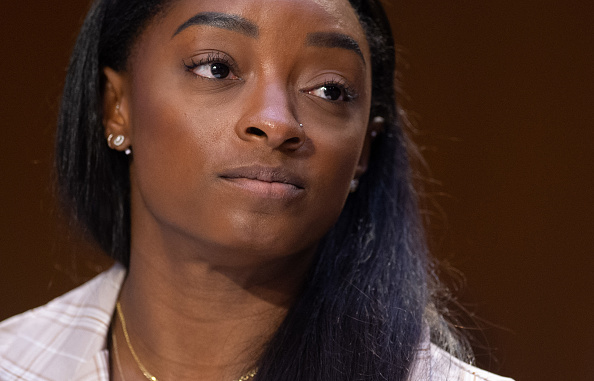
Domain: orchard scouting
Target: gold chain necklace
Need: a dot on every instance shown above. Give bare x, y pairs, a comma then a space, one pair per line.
145, 372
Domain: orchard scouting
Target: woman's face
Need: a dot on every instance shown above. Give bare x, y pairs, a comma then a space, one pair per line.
247, 120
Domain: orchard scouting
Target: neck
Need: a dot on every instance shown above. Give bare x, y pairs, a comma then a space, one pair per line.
188, 318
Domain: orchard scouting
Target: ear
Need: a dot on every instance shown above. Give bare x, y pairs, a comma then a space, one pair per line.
376, 126
116, 110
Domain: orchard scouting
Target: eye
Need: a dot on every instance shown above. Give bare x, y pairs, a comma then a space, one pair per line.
213, 66
333, 91
217, 70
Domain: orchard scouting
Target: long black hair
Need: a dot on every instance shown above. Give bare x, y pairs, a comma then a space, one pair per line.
363, 308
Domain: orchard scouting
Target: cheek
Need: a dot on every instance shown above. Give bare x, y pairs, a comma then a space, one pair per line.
171, 142
336, 163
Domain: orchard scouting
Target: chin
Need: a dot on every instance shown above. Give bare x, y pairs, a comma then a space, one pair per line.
264, 245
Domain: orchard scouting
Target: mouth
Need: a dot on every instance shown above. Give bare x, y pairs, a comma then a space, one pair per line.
266, 182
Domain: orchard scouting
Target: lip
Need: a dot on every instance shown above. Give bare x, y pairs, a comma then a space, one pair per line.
266, 182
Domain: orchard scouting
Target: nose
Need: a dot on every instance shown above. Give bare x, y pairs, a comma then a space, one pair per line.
269, 119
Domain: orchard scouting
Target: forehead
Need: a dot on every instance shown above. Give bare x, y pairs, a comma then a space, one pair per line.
340, 10
276, 16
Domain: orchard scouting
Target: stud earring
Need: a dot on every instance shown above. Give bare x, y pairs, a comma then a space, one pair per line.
301, 125
117, 141
353, 186
128, 151
378, 119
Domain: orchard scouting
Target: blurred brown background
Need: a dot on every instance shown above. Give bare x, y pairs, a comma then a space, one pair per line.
501, 95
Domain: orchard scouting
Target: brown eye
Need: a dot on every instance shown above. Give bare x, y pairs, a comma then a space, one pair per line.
328, 92
215, 70
332, 93
212, 66
219, 70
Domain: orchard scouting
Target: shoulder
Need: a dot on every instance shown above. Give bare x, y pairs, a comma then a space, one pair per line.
435, 364
447, 364
62, 335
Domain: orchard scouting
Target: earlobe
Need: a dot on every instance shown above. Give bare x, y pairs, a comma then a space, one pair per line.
115, 111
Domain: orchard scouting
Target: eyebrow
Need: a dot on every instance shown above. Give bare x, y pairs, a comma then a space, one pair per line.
334, 40
221, 20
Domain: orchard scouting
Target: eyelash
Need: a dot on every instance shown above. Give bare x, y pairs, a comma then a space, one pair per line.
213, 57
349, 93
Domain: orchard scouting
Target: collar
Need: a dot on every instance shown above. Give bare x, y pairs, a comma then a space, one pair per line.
67, 338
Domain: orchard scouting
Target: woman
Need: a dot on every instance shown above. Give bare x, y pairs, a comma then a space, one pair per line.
243, 162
